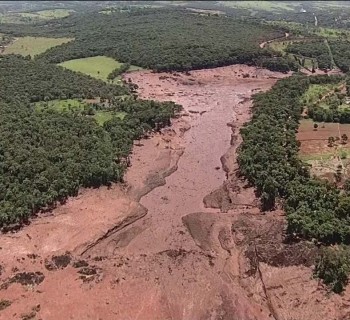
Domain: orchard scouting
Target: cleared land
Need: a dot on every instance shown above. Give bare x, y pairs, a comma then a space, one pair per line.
47, 14
101, 116
98, 67
33, 45
258, 5
325, 160
35, 16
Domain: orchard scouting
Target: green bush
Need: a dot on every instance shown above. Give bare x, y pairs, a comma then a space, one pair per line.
333, 266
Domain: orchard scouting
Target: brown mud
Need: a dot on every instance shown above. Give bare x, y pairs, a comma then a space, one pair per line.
183, 238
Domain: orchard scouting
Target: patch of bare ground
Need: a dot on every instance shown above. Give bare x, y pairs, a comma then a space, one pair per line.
151, 249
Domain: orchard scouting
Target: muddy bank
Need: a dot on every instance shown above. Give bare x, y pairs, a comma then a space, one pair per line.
152, 249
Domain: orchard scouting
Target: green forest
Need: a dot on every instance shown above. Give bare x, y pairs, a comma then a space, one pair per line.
312, 49
161, 40
268, 159
47, 155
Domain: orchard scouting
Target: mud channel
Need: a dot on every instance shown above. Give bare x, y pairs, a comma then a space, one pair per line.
183, 238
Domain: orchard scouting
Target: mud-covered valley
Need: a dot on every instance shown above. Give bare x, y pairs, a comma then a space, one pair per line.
182, 238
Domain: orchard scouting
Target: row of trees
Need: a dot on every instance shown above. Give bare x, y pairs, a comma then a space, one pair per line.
268, 158
316, 49
341, 54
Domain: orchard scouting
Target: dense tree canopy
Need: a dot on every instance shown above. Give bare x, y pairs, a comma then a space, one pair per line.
46, 155
158, 39
268, 159
22, 78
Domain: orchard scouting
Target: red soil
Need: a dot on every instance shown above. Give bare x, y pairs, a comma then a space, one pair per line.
181, 260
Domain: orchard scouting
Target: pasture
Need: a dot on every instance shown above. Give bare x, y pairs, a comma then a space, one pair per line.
316, 92
97, 67
34, 16
258, 5
70, 105
33, 45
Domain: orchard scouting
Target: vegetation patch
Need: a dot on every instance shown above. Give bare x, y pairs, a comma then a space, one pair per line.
259, 5
46, 155
33, 45
98, 67
315, 209
25, 279
163, 39
4, 304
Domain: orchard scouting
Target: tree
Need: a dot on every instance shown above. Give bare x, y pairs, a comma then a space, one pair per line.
315, 126
331, 141
344, 138
333, 267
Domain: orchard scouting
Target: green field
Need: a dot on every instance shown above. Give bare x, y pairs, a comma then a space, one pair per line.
33, 45
35, 16
61, 105
98, 67
258, 5
101, 116
315, 91
47, 14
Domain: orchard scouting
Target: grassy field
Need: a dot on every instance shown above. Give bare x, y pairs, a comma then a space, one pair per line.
47, 14
101, 116
98, 67
258, 5
316, 91
61, 105
33, 45
35, 16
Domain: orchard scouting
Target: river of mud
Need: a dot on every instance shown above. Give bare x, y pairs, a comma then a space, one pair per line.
181, 239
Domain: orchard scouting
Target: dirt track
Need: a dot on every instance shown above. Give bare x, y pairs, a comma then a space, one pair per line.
150, 249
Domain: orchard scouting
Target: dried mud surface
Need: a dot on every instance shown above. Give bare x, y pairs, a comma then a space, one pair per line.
183, 238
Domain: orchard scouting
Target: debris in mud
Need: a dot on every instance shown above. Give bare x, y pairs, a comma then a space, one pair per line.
80, 264
58, 262
175, 254
25, 279
264, 240
28, 316
193, 111
32, 256
4, 304
89, 274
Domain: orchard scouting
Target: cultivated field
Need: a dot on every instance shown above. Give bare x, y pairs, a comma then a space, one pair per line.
33, 45
325, 159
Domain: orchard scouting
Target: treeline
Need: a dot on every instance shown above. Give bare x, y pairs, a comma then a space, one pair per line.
25, 80
158, 39
341, 54
46, 155
268, 158
118, 71
312, 49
